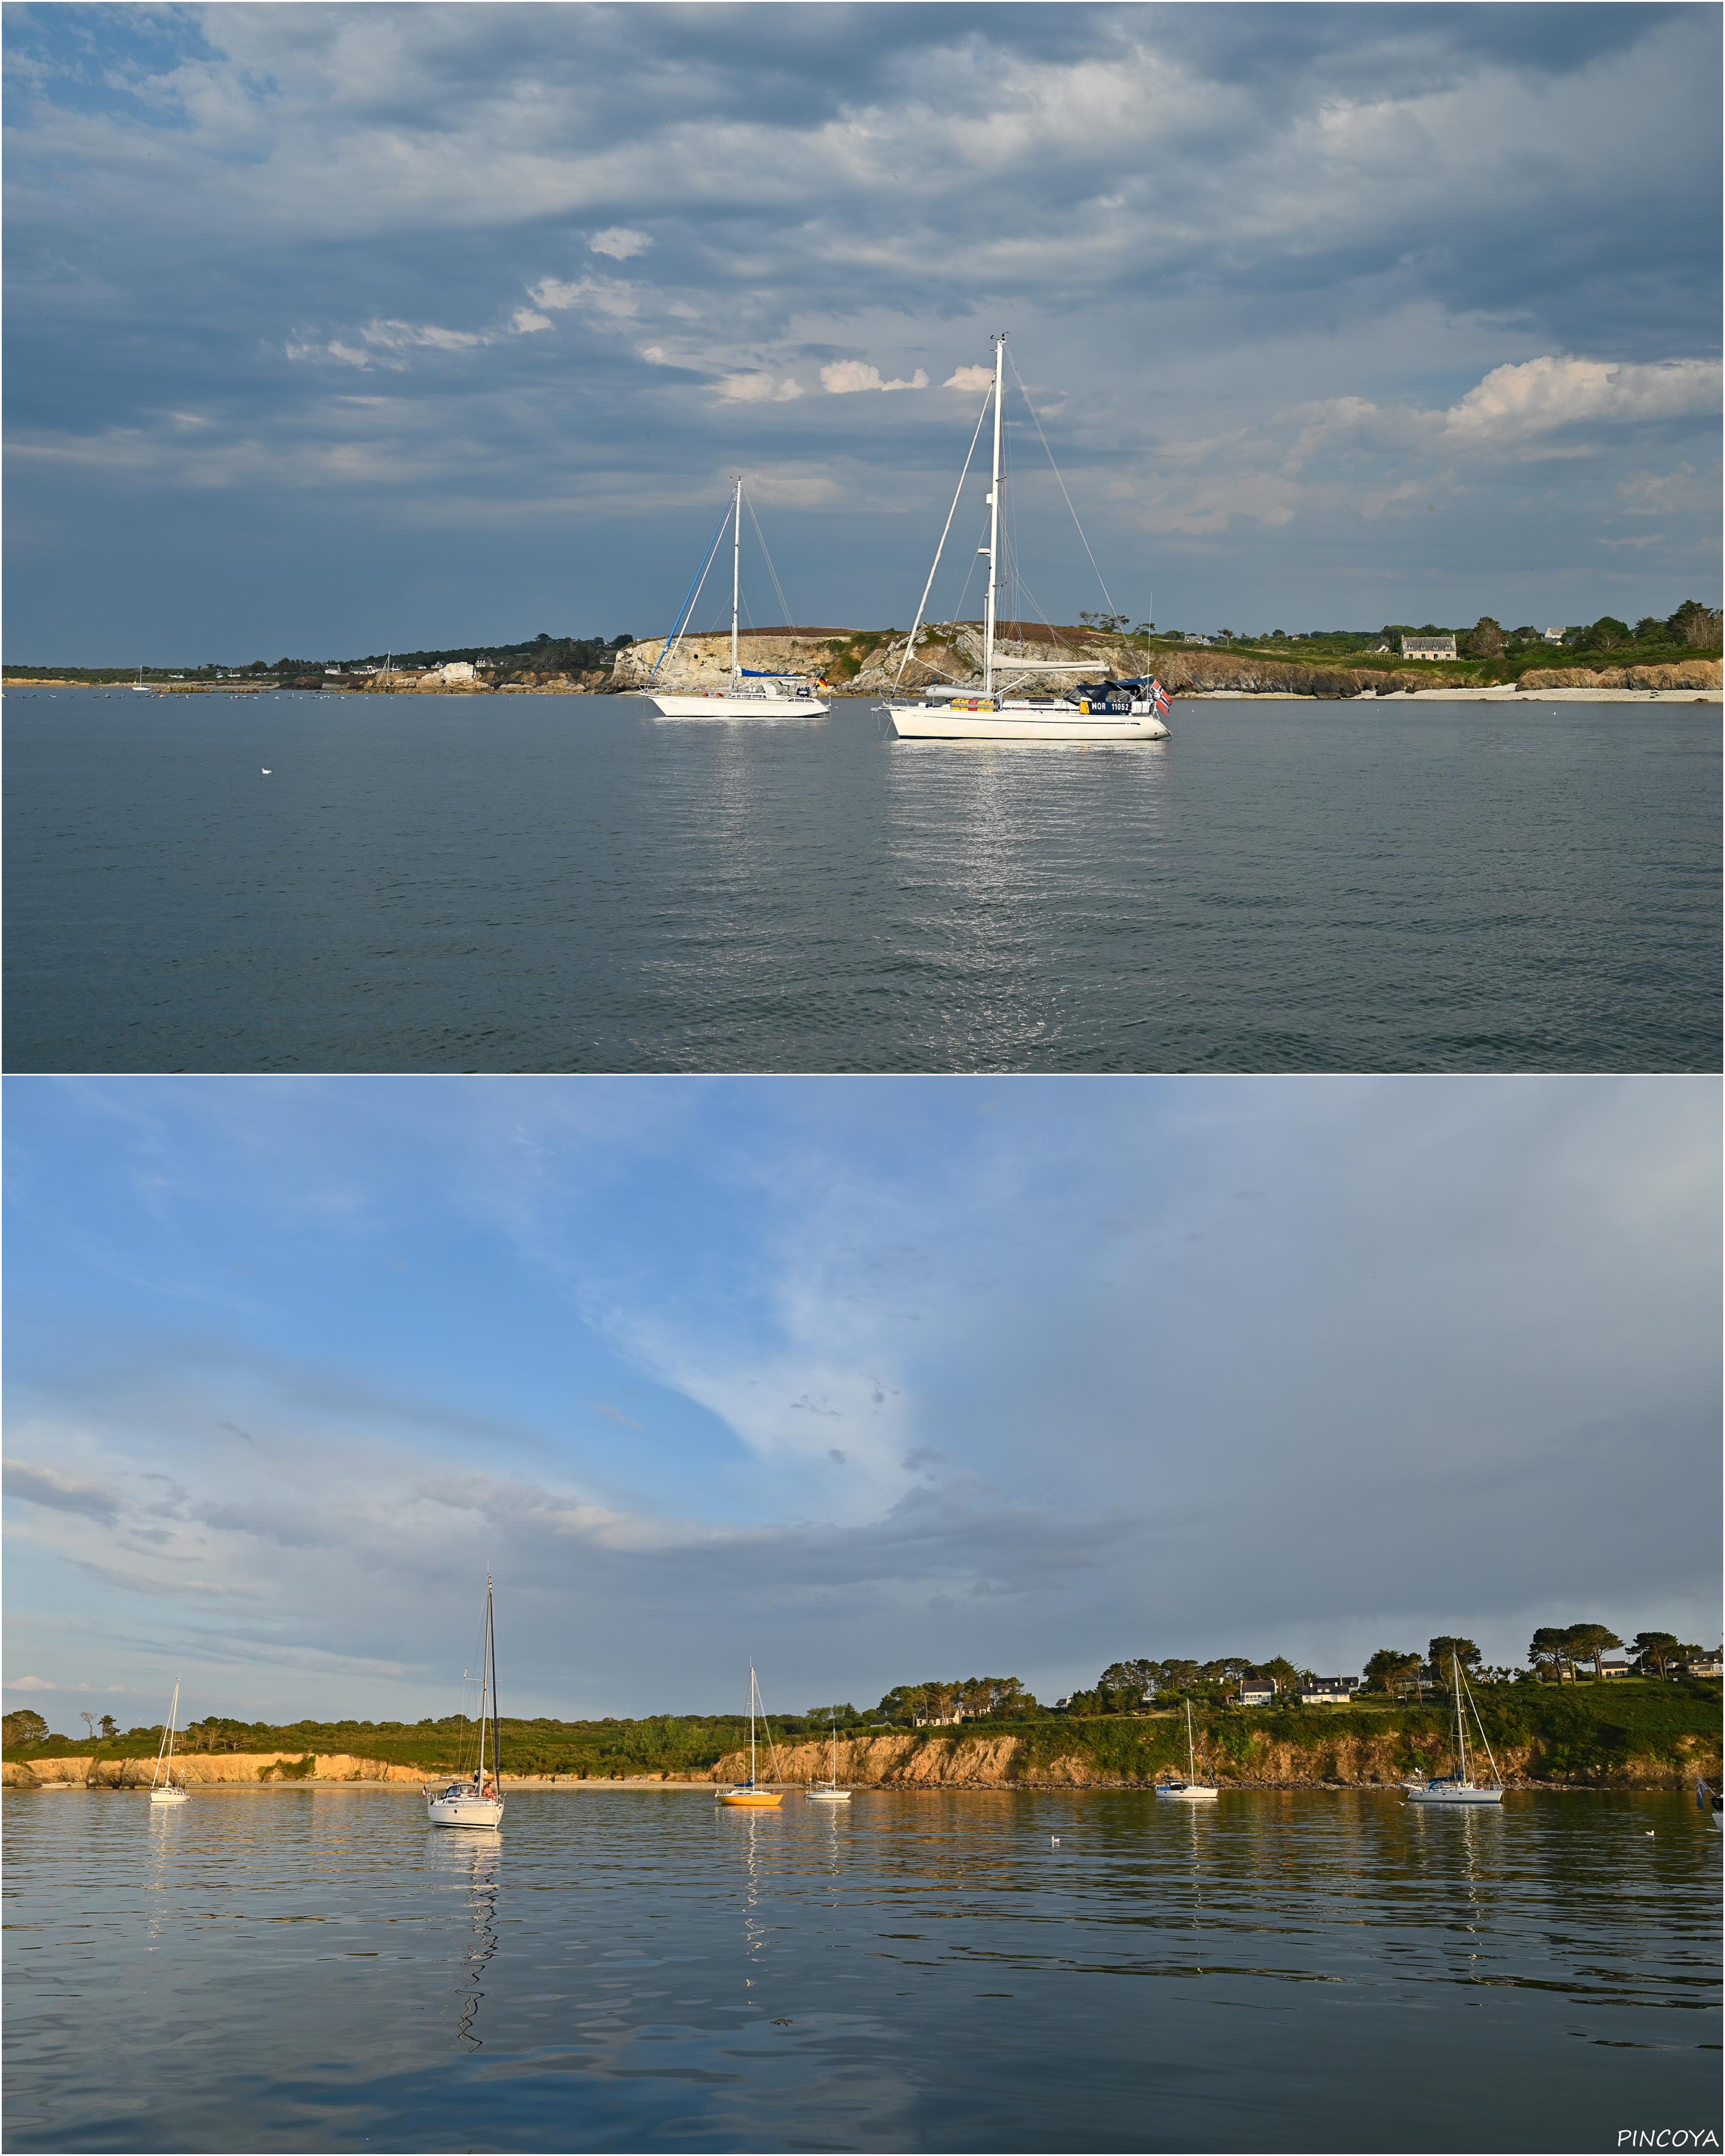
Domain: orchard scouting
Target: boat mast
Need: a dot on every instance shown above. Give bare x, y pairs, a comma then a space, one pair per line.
1191, 1757
165, 1749
753, 1687
736, 585
1461, 1725
994, 519
496, 1730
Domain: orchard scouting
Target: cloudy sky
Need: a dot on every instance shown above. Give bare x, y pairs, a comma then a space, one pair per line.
878, 1381
337, 327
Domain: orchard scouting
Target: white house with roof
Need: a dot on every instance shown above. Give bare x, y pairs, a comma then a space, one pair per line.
1428, 647
1615, 1663
1328, 1692
1257, 1691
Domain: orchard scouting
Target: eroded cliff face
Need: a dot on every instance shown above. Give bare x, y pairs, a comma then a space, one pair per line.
197, 1769
1692, 673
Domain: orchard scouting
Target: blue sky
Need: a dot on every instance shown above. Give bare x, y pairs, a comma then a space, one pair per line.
334, 328
877, 1380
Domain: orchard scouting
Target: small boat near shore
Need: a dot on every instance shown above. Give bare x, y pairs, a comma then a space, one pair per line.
750, 1795
753, 693
829, 1792
1459, 1788
163, 1788
1103, 711
479, 1801
1191, 1791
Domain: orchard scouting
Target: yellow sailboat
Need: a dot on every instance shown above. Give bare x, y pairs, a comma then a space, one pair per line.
750, 1793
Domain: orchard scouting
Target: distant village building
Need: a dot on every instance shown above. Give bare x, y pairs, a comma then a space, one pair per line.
1709, 1666
1328, 1692
1257, 1691
1553, 635
1428, 647
1616, 1666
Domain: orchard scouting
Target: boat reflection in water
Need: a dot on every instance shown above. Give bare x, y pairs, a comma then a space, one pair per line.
471, 1865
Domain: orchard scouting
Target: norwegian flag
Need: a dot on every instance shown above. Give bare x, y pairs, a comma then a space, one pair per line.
1158, 699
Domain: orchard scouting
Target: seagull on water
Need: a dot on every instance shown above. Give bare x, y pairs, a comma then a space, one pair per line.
265, 769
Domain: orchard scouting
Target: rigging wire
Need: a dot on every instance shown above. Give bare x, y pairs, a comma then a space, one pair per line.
690, 601
911, 640
784, 604
1031, 409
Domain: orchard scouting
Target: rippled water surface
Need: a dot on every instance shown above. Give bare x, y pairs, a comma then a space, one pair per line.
567, 884
1314, 1970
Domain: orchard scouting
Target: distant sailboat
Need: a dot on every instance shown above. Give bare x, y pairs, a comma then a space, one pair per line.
752, 693
829, 1792
751, 1792
1459, 1788
140, 688
478, 1802
1191, 1791
163, 1788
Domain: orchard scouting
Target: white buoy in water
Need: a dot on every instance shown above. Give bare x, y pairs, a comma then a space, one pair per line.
266, 773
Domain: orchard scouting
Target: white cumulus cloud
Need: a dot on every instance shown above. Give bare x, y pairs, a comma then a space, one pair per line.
970, 378
524, 321
758, 388
558, 293
620, 243
1541, 395
844, 378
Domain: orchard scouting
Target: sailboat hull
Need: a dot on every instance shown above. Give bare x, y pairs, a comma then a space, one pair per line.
1450, 1793
1187, 1793
167, 1796
465, 1811
738, 707
762, 1800
829, 1796
917, 722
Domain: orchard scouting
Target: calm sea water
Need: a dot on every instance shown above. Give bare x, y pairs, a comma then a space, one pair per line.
1310, 1970
567, 884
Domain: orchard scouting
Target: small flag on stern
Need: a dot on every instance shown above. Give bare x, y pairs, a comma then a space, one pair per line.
1159, 698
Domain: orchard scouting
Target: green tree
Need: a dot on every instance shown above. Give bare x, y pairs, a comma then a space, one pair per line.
1485, 640
22, 1726
1125, 1683
1389, 1668
1607, 633
1548, 1652
1588, 1642
1694, 624
1281, 1673
1444, 1648
108, 1726
1650, 629
1656, 1651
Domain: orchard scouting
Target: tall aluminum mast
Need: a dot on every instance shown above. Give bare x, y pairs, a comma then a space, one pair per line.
994, 521
736, 576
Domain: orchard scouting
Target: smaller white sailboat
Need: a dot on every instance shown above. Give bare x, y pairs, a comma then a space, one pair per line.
1459, 1788
478, 1802
163, 1788
1191, 1791
141, 687
750, 1793
829, 1792
753, 693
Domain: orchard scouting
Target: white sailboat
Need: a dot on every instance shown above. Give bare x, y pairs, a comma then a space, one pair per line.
829, 1792
752, 693
140, 687
988, 711
163, 1788
1459, 1788
1191, 1791
478, 1802
750, 1793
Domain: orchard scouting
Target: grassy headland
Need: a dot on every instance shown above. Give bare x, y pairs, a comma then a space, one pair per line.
1633, 1733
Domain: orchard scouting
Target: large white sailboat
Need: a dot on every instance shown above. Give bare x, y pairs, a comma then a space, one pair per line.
1459, 1788
752, 693
998, 708
1191, 1791
479, 1801
163, 1788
